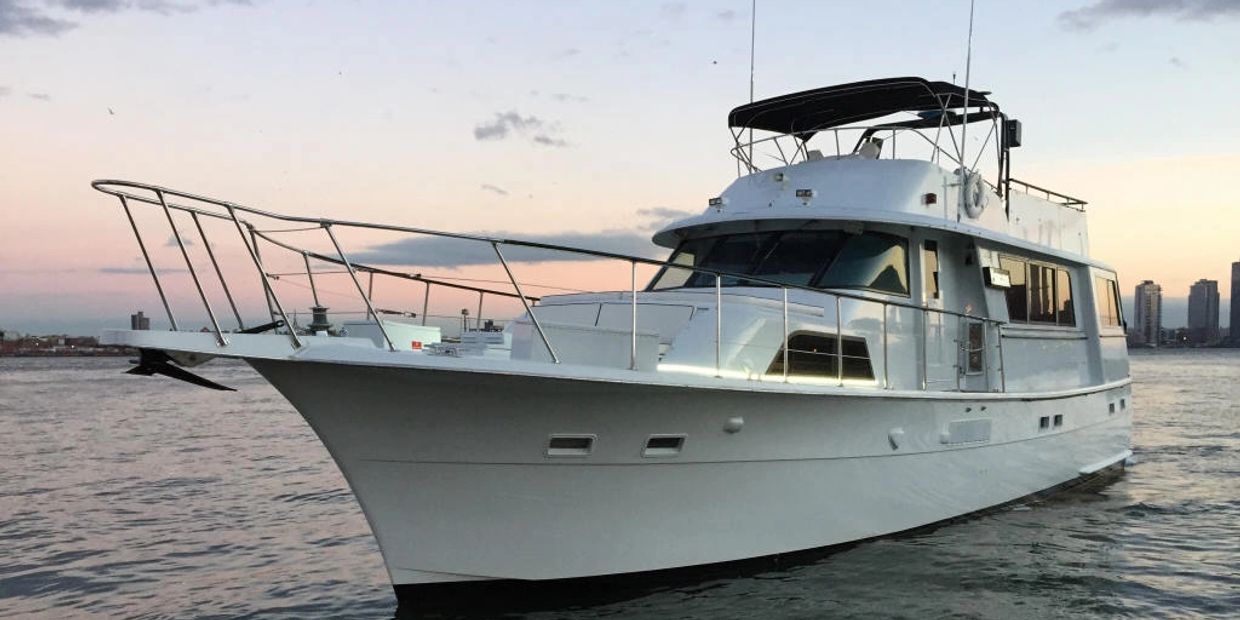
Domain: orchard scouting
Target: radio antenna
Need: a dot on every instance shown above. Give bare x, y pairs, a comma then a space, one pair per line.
964, 125
753, 37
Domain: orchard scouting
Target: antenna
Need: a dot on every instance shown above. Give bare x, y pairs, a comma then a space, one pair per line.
964, 126
753, 37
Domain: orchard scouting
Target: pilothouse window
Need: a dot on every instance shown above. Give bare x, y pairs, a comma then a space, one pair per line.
822, 259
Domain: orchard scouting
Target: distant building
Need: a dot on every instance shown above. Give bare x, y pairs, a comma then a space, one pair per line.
1147, 324
139, 322
1233, 325
1203, 311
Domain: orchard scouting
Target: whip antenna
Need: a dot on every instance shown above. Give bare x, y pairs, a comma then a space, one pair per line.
964, 125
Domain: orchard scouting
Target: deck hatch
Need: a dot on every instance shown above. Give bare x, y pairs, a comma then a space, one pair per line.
663, 445
570, 445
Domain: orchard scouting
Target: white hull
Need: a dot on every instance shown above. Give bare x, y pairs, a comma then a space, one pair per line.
451, 471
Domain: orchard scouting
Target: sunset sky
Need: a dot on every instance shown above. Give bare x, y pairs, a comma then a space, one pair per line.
577, 121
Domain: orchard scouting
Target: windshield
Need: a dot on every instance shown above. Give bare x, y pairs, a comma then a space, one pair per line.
818, 258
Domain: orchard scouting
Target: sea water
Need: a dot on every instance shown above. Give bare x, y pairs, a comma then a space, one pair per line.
143, 497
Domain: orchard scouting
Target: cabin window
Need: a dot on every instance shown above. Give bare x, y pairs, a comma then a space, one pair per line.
798, 256
1018, 293
872, 261
1065, 311
821, 259
930, 269
1106, 292
814, 355
1039, 292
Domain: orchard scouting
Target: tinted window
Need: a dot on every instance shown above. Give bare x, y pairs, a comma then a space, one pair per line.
813, 355
1065, 310
734, 253
872, 261
690, 253
798, 256
930, 269
1018, 293
1041, 294
1107, 301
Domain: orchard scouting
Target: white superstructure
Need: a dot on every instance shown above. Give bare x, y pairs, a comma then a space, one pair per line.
843, 346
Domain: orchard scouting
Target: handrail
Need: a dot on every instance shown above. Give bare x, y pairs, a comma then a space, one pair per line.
125, 191
99, 185
1064, 199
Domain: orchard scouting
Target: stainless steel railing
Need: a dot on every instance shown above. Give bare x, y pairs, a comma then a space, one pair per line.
129, 192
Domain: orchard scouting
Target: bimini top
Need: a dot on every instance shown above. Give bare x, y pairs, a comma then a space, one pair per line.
822, 108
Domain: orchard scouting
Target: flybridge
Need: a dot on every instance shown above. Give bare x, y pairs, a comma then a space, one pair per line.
887, 118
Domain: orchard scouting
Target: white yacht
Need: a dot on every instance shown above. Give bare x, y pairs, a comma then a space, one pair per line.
878, 331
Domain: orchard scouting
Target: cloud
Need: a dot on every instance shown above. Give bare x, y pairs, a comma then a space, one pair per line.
444, 252
19, 20
504, 124
727, 16
5, 90
40, 96
569, 98
172, 241
135, 271
567, 53
673, 10
662, 216
493, 188
1177, 63
511, 123
1090, 17
546, 140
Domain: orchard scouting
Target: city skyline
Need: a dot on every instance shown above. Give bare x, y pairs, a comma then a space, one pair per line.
591, 124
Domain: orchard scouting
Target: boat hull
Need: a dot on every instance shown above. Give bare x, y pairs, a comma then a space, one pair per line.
452, 473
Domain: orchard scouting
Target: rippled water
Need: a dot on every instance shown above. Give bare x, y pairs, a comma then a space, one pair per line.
125, 496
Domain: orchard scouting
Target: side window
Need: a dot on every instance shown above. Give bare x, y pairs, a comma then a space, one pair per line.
1065, 310
814, 355
930, 269
1041, 294
1106, 294
1018, 292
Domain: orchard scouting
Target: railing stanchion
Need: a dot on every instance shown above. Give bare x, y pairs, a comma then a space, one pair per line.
525, 302
633, 311
718, 326
925, 348
147, 257
839, 342
370, 288
886, 370
262, 274
784, 289
176, 234
314, 292
258, 261
426, 302
1002, 366
478, 319
220, 274
370, 309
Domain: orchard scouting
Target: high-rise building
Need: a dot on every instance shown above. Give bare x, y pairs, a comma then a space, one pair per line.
1147, 322
1234, 323
139, 322
1203, 311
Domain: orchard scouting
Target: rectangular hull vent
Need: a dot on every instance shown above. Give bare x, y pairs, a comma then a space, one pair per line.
663, 445
570, 445
966, 431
